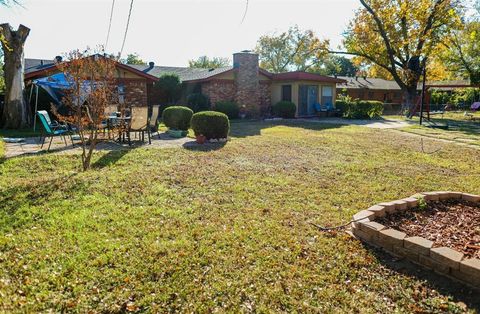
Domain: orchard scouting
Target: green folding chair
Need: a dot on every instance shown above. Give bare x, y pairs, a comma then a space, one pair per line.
52, 130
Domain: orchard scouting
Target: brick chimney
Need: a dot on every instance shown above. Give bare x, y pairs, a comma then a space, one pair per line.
246, 67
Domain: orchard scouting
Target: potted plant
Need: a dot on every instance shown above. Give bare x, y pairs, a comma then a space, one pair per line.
243, 112
201, 139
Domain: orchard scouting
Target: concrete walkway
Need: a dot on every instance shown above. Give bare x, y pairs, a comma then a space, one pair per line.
32, 145
375, 124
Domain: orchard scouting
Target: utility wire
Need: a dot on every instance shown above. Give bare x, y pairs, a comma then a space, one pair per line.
109, 26
126, 28
245, 13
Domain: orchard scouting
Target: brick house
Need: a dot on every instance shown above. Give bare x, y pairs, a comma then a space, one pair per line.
244, 82
247, 84
368, 88
133, 85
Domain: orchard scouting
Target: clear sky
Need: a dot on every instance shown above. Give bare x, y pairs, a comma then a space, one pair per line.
170, 32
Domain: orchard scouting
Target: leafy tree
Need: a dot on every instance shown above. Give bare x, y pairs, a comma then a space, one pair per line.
336, 65
169, 87
97, 74
205, 62
463, 53
396, 34
133, 58
293, 50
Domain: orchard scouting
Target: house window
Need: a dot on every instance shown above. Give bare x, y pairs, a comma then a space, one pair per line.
370, 95
287, 92
327, 95
121, 93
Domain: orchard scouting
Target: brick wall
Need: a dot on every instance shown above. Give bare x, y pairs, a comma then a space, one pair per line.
135, 92
265, 97
394, 96
246, 79
219, 90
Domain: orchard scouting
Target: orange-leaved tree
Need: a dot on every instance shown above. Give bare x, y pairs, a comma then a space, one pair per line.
91, 91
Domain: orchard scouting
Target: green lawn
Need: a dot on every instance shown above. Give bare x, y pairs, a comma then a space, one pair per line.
222, 228
460, 129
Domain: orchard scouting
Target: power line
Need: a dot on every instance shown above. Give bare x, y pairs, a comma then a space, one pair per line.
126, 28
245, 13
109, 26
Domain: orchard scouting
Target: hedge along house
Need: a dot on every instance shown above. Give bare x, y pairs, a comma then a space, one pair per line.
133, 85
247, 84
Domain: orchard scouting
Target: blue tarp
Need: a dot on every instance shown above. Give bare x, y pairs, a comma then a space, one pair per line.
55, 85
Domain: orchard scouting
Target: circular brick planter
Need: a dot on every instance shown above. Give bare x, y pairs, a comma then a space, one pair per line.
419, 250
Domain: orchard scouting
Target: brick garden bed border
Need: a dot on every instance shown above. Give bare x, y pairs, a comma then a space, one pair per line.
419, 250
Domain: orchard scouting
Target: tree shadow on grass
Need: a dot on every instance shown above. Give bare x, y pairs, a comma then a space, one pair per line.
207, 147
110, 158
35, 194
442, 284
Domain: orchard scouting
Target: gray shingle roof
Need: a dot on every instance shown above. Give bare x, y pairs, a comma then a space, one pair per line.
368, 82
184, 73
381, 84
32, 65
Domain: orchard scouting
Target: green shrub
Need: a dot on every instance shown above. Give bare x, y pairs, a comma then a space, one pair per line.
177, 117
284, 109
198, 102
361, 109
230, 108
169, 88
211, 124
341, 105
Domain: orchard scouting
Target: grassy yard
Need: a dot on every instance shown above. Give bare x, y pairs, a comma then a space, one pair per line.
460, 129
222, 228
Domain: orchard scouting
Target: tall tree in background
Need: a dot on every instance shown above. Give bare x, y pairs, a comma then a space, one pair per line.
16, 113
396, 34
205, 62
169, 88
293, 50
463, 49
335, 65
133, 58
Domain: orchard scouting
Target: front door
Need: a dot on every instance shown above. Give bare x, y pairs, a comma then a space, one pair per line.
307, 98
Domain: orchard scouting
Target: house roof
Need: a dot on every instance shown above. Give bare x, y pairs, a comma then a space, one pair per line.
305, 76
382, 84
35, 65
367, 83
184, 73
38, 67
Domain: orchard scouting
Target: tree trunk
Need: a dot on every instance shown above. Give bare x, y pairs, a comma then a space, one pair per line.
409, 99
16, 112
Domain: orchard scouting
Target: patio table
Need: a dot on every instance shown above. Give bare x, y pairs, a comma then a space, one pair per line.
122, 123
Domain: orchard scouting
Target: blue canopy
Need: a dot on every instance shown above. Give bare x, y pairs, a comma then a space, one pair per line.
55, 85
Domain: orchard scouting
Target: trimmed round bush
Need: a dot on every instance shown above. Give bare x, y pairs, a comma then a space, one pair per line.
284, 109
230, 108
177, 117
198, 102
211, 124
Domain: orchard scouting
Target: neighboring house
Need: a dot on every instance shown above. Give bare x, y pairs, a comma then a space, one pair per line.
367, 88
244, 82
